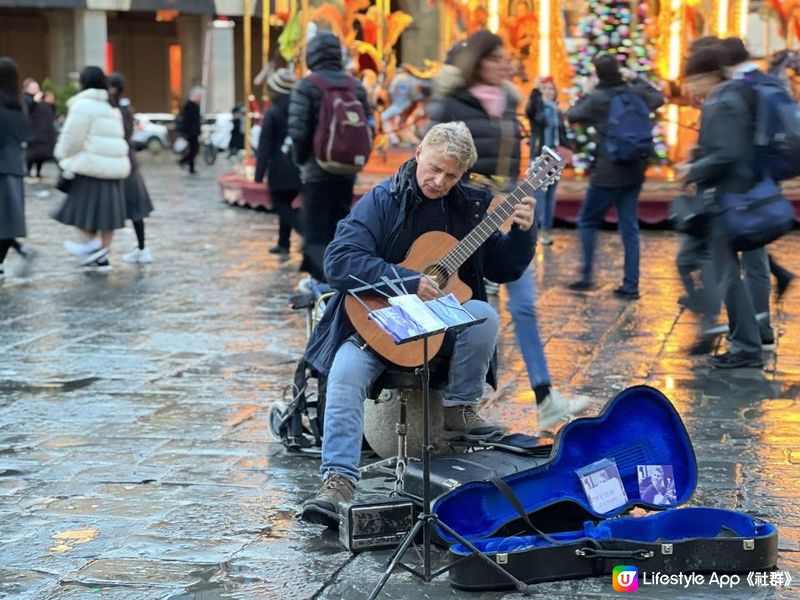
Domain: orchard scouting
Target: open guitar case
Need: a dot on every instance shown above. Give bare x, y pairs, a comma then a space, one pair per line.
533, 514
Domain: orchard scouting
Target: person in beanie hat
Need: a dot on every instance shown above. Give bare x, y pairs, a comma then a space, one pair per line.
272, 159
611, 182
327, 197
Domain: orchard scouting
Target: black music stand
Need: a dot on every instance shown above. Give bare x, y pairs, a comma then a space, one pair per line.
427, 520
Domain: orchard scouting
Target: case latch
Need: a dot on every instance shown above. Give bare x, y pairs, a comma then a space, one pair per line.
450, 483
666, 549
749, 544
502, 558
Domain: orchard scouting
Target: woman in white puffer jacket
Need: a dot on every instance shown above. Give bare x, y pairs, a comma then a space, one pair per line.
93, 156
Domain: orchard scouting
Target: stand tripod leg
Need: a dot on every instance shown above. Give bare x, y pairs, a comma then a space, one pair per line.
397, 557
520, 585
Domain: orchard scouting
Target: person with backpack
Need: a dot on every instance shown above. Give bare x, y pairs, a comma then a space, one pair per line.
751, 82
272, 160
619, 110
330, 125
724, 162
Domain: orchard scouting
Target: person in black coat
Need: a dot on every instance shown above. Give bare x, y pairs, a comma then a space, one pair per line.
488, 109
611, 182
137, 199
272, 160
327, 197
43, 131
189, 127
14, 131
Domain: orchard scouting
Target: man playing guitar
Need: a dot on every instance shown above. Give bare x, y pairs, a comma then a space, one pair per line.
425, 195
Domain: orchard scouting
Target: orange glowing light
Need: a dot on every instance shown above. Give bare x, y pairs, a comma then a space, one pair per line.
544, 38
166, 16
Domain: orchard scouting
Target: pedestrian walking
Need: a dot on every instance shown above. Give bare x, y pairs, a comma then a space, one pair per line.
93, 156
548, 128
189, 126
273, 160
137, 199
327, 195
724, 162
475, 89
43, 131
14, 131
616, 103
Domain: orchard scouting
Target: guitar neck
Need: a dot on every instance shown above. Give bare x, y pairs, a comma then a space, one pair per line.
453, 260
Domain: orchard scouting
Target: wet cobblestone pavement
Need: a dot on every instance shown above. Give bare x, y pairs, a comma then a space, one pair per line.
135, 458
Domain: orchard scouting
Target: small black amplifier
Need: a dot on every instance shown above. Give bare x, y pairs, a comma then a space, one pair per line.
374, 524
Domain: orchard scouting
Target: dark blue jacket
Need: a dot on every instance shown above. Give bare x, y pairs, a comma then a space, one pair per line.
367, 245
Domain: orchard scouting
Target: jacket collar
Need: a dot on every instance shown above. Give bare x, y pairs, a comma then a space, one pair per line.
89, 94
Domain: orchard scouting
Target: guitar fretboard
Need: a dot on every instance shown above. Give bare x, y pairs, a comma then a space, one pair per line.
453, 260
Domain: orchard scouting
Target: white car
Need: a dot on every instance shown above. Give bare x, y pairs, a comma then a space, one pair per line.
150, 135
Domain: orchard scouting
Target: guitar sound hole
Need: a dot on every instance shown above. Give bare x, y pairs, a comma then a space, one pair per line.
438, 273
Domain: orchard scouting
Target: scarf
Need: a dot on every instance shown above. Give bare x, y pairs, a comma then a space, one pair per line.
492, 98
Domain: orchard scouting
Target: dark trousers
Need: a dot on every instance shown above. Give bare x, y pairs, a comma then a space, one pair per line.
325, 203
288, 217
38, 164
191, 153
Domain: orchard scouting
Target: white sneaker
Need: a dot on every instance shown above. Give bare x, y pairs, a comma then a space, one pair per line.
556, 408
100, 255
145, 257
132, 257
83, 249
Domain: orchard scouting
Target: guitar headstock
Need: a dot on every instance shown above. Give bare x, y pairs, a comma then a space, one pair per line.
545, 169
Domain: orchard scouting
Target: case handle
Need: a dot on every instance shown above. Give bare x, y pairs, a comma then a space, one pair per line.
602, 553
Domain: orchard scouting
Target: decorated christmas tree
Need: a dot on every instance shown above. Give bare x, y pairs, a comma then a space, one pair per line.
611, 27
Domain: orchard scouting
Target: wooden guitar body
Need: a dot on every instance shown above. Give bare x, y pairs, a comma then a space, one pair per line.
439, 255
424, 256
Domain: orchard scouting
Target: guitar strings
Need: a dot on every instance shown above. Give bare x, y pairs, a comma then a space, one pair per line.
491, 222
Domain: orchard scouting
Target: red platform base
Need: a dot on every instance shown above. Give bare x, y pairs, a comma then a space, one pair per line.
653, 202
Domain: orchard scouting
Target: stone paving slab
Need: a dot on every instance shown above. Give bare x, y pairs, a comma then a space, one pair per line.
135, 454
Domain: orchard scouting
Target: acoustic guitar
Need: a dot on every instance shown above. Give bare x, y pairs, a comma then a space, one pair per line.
439, 255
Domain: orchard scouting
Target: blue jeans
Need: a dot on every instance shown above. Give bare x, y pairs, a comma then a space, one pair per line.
522, 306
354, 370
545, 206
598, 200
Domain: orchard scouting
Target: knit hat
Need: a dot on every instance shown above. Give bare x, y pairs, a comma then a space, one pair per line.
705, 60
282, 81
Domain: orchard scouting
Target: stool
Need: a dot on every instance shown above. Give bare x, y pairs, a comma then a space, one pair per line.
393, 418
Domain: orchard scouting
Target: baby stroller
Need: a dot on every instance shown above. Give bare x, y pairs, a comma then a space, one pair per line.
296, 420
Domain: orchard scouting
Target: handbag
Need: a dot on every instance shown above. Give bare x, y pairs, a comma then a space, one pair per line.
64, 183
756, 217
181, 145
691, 214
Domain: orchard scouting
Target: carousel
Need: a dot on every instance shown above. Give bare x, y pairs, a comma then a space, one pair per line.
554, 39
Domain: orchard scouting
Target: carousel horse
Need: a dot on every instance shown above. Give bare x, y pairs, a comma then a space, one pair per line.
407, 92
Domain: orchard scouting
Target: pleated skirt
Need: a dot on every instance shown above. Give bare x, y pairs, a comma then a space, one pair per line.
137, 199
12, 207
93, 204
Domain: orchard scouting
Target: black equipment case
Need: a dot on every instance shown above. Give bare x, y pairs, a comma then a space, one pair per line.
559, 517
